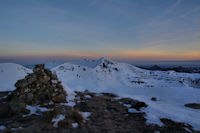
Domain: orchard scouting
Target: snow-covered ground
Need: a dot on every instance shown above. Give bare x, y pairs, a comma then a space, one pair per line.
9, 74
171, 89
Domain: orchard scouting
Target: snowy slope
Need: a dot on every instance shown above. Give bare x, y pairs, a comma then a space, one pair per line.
172, 89
105, 73
53, 64
88, 63
9, 74
48, 65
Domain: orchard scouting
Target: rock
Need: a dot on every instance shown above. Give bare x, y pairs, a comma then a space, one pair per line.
193, 105
60, 98
139, 105
153, 99
5, 110
17, 107
44, 79
21, 84
39, 68
54, 77
116, 69
67, 123
29, 97
76, 116
14, 125
175, 125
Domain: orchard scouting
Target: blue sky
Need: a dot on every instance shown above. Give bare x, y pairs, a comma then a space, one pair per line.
132, 29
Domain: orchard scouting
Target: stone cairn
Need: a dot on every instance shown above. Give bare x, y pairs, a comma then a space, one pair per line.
38, 88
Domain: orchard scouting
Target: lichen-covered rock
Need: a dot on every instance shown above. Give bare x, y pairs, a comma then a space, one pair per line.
39, 87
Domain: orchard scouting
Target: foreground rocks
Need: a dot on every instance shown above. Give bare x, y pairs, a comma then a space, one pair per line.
112, 114
107, 114
36, 103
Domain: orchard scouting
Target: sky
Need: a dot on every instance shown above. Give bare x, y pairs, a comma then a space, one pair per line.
120, 29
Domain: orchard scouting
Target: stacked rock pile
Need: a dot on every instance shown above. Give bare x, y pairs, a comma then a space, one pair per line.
38, 88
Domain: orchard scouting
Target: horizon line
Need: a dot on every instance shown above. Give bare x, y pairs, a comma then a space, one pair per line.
57, 58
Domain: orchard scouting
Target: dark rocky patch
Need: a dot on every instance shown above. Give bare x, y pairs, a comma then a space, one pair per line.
5, 110
153, 99
193, 105
134, 103
138, 82
116, 69
110, 95
176, 127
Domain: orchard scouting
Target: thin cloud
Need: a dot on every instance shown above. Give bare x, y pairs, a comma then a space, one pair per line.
166, 12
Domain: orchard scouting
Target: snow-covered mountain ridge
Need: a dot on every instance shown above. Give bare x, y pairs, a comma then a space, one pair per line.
172, 90
104, 73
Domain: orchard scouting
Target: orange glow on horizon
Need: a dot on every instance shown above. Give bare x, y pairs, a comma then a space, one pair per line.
159, 55
123, 54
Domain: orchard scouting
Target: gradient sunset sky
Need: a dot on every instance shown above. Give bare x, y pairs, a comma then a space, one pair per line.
123, 29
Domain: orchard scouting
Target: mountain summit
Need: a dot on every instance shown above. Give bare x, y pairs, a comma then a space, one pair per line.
92, 63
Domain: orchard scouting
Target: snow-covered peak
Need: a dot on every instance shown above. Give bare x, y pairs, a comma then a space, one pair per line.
10, 73
105, 60
92, 63
106, 73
